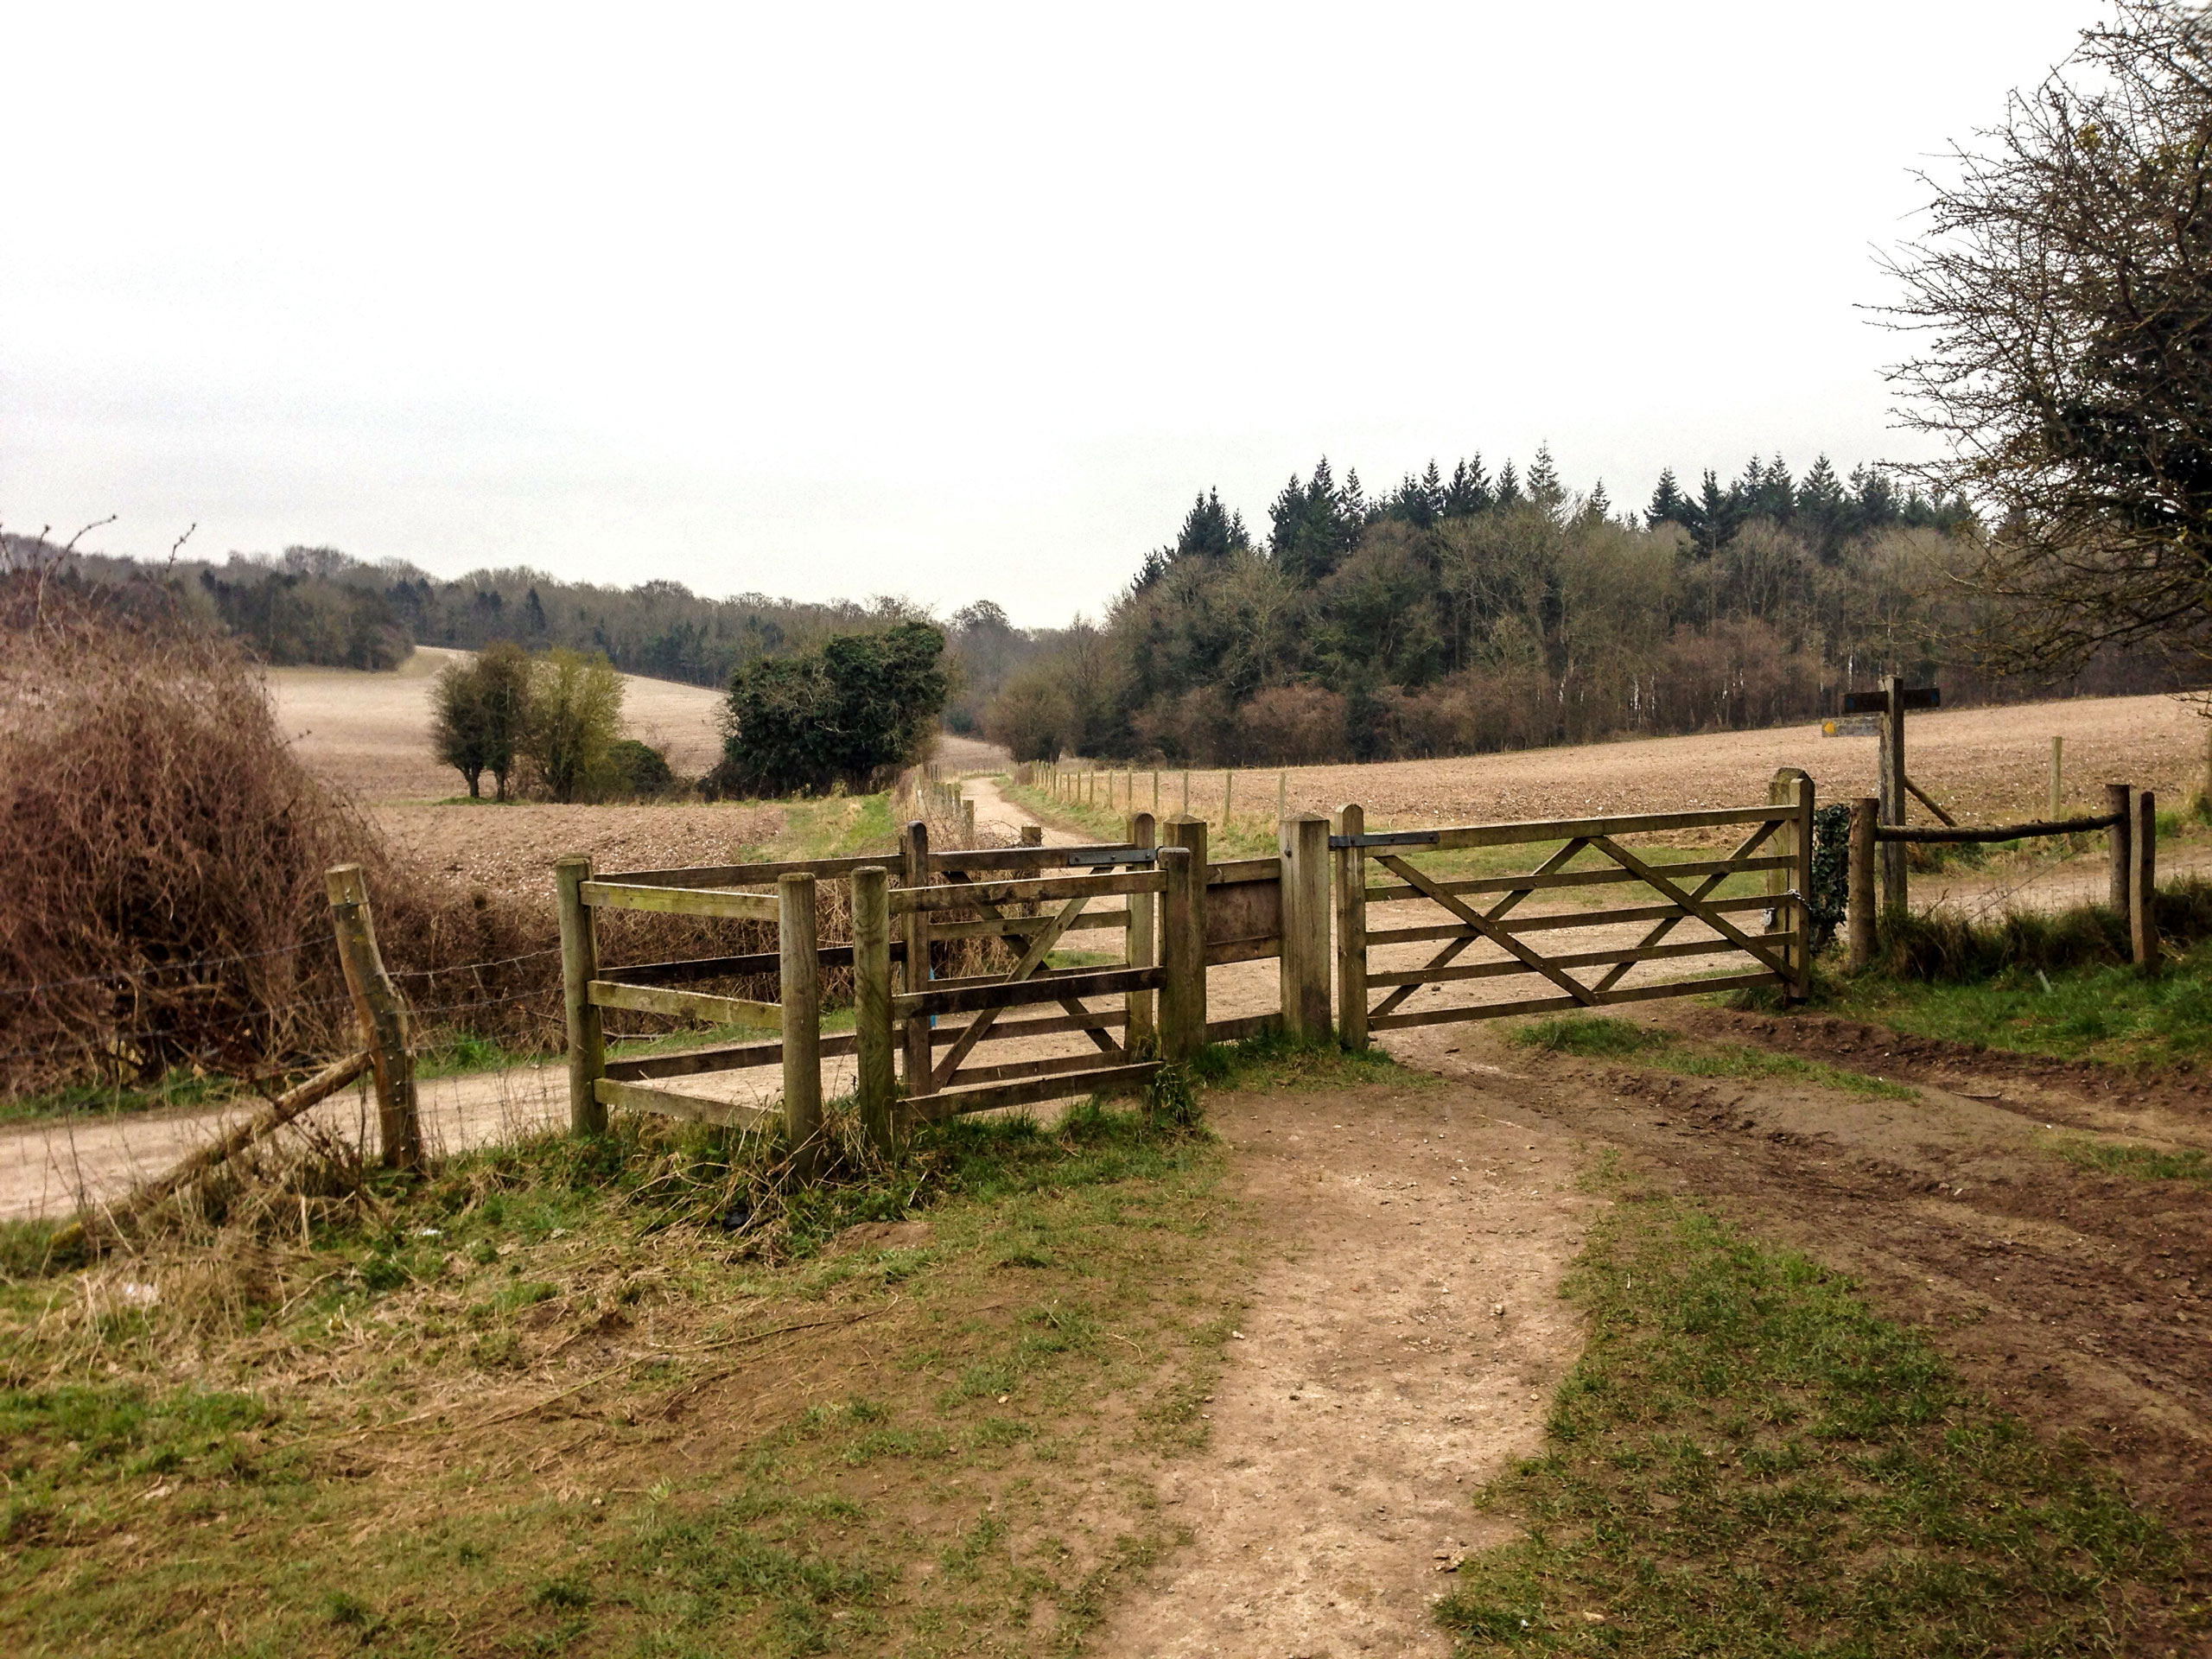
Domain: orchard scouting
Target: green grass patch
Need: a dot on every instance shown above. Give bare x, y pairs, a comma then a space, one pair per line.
2100, 1012
1604, 1037
2144, 1163
372, 1470
180, 1089
1749, 1461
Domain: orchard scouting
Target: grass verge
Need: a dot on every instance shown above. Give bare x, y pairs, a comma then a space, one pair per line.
572, 1398
2144, 1163
1604, 1037
1748, 1461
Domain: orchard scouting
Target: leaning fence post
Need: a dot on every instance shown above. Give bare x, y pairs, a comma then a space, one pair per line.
878, 1082
2116, 807
1864, 813
2143, 878
1143, 938
914, 850
1305, 960
1182, 957
1350, 887
383, 1014
801, 995
578, 967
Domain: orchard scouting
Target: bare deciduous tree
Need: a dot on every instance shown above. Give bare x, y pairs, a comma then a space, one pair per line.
2065, 297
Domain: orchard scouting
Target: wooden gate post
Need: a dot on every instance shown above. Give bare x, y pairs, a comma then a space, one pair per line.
1895, 895
1351, 883
2117, 804
878, 1084
967, 821
801, 995
1032, 834
383, 1013
1192, 835
1864, 813
1305, 960
914, 852
578, 967
1793, 785
1182, 957
1143, 938
2143, 877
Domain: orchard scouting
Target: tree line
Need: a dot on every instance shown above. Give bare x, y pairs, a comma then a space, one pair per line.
1466, 611
317, 606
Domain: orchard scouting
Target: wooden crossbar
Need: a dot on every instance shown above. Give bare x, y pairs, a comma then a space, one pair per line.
637, 1097
962, 999
723, 1057
1723, 868
968, 895
1489, 929
1559, 1004
1513, 835
682, 901
993, 1097
1100, 1037
1625, 957
685, 1005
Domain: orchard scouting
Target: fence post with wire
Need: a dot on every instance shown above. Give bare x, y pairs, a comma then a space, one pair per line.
383, 1015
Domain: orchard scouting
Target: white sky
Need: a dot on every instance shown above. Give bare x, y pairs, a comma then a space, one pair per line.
949, 301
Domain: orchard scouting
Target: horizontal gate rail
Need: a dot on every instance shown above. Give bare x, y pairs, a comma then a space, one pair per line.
667, 1102
1615, 877
1629, 954
693, 1005
970, 895
724, 1057
965, 999
1562, 1004
996, 1096
682, 901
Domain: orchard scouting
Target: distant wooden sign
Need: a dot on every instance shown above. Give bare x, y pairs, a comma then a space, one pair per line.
1851, 726
1877, 702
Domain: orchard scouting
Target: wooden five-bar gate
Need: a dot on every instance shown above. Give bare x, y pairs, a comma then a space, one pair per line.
921, 1031
1674, 911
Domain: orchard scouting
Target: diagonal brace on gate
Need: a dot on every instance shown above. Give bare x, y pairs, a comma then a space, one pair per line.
1040, 947
1452, 952
1666, 889
1704, 889
1096, 1029
1486, 926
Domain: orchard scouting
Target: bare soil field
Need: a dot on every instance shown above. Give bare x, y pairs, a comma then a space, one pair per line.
510, 849
1984, 764
371, 733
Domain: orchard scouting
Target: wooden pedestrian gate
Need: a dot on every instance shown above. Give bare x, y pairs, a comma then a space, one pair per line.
1680, 913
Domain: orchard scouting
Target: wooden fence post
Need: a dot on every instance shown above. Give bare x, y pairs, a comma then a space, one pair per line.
1350, 889
1186, 793
1801, 991
1032, 834
1305, 960
1143, 937
1190, 834
967, 821
2057, 777
578, 967
2143, 878
914, 850
1895, 893
801, 1001
1228, 794
1865, 812
383, 1013
2116, 803
1182, 957
878, 1084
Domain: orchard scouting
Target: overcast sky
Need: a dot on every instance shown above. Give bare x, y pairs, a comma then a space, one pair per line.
951, 300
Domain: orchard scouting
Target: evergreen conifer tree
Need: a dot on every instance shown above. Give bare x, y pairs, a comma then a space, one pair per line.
1508, 486
1544, 488
1468, 493
1666, 501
